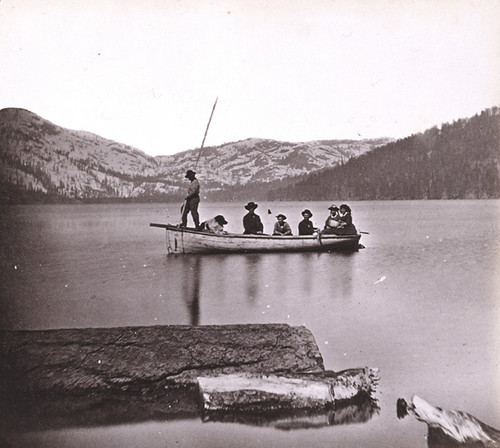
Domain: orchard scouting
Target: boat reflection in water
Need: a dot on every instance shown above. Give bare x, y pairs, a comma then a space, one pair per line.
191, 289
236, 288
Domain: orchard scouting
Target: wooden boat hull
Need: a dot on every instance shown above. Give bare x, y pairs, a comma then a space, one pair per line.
188, 241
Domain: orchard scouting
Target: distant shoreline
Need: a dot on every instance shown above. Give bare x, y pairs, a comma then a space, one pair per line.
69, 201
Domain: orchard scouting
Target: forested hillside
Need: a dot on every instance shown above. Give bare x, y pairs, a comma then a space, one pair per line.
457, 161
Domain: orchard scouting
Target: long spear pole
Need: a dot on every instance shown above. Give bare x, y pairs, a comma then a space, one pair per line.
202, 143
206, 130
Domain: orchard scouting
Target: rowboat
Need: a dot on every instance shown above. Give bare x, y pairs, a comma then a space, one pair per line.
186, 240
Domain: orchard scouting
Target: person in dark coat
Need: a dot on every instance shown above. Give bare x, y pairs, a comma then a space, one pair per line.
306, 227
346, 227
251, 221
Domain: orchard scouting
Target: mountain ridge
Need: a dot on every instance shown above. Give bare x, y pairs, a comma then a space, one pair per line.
39, 157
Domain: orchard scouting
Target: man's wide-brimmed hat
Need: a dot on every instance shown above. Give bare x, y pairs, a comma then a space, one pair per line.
189, 173
333, 207
220, 219
251, 205
307, 212
281, 215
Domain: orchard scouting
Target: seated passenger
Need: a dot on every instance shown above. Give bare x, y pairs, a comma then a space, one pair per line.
306, 227
251, 221
346, 227
215, 225
281, 227
333, 220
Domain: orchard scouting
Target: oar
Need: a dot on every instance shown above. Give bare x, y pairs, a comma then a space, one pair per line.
365, 233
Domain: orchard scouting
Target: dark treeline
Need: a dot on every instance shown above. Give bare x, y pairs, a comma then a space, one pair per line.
458, 161
14, 194
255, 191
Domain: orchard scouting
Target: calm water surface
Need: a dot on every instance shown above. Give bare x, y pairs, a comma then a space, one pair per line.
420, 302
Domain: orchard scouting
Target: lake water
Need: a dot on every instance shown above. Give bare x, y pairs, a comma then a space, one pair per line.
420, 302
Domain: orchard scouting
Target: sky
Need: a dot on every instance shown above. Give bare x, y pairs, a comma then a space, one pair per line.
147, 73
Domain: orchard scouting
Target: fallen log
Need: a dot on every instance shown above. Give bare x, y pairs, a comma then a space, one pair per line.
267, 392
246, 393
450, 428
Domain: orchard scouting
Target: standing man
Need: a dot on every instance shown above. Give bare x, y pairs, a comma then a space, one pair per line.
192, 200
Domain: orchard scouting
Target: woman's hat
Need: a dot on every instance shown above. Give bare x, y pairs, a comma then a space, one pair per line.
307, 212
251, 205
345, 207
281, 215
220, 219
333, 207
